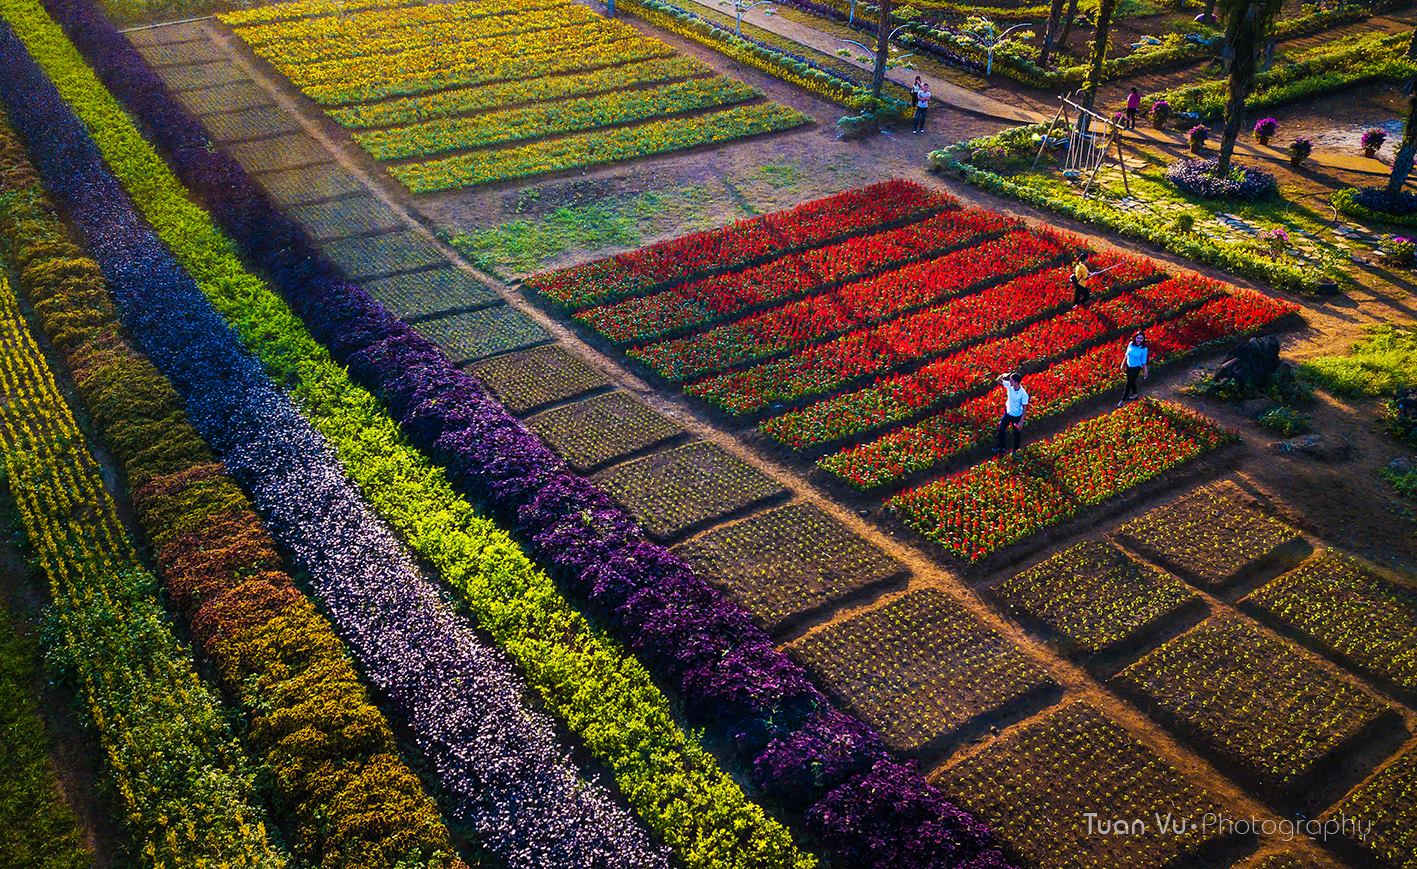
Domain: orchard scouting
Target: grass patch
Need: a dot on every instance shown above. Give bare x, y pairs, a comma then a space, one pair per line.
1384, 361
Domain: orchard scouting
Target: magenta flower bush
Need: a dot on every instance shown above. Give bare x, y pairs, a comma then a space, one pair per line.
1374, 138
1266, 127
499, 765
801, 751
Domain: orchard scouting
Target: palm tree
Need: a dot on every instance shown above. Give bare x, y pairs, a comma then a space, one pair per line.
1407, 148
1105, 9
883, 49
1247, 24
1050, 36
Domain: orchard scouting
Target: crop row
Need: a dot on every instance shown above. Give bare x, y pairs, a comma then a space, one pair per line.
941, 436
856, 305
1362, 618
502, 95
519, 792
739, 244
182, 781
547, 119
1254, 700
981, 510
825, 368
1388, 801
602, 695
862, 804
597, 147
391, 30
1038, 784
901, 397
1093, 597
708, 300
921, 668
272, 650
296, 9
1211, 537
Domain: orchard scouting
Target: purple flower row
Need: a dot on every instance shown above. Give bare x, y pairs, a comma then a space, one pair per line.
500, 767
865, 807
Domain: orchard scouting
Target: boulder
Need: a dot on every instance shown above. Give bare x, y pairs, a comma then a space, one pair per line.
1251, 363
1324, 449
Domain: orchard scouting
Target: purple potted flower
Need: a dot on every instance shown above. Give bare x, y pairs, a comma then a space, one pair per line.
1373, 140
1160, 113
1299, 150
1196, 136
1265, 128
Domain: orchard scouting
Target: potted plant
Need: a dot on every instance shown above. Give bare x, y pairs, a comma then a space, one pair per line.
1265, 128
1196, 136
1373, 140
1160, 113
1299, 150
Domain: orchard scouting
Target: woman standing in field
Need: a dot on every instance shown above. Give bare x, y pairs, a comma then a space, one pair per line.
1134, 364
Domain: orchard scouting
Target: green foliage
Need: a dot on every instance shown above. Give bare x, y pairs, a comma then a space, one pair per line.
1403, 482
38, 830
1378, 365
1284, 421
1346, 201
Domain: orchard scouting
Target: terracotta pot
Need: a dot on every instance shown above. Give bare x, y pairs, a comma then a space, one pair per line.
1369, 152
1264, 140
1197, 147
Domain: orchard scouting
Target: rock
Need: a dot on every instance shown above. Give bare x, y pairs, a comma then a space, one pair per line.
1324, 449
1406, 404
1402, 465
1256, 407
1251, 363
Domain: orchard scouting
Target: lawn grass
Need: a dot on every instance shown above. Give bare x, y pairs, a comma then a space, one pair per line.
1384, 361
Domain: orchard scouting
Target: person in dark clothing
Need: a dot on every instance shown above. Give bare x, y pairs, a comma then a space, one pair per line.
1080, 279
922, 105
1134, 364
1015, 403
1133, 106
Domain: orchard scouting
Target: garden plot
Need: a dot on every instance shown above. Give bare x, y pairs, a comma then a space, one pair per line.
1387, 800
677, 490
247, 125
342, 218
203, 75
923, 670
1213, 539
473, 335
1254, 700
233, 97
1035, 786
602, 429
429, 293
788, 563
379, 256
309, 185
535, 378
1093, 597
459, 94
286, 152
866, 330
1352, 613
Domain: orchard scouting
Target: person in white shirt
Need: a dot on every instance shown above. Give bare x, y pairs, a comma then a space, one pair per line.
1015, 403
922, 105
1134, 363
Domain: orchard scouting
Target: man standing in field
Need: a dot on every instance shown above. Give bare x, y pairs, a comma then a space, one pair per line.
922, 105
1015, 403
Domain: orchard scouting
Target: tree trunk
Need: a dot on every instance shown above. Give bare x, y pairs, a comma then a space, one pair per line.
1243, 39
883, 49
1068, 21
1407, 149
1050, 36
1105, 8
1209, 11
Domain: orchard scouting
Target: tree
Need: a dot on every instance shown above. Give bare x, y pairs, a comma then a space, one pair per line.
1068, 20
1247, 24
1105, 9
883, 49
1050, 36
1407, 148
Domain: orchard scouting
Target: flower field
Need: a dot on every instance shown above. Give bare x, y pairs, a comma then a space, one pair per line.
868, 328
461, 94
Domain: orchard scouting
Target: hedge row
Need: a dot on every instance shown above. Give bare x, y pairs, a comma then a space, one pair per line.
342, 794
602, 694
867, 808
179, 777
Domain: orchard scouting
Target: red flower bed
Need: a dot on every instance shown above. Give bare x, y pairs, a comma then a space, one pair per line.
826, 367
979, 511
711, 299
746, 241
936, 439
903, 396
853, 306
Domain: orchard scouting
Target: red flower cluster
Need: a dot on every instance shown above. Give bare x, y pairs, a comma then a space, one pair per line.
938, 438
853, 306
979, 511
717, 297
823, 368
746, 241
